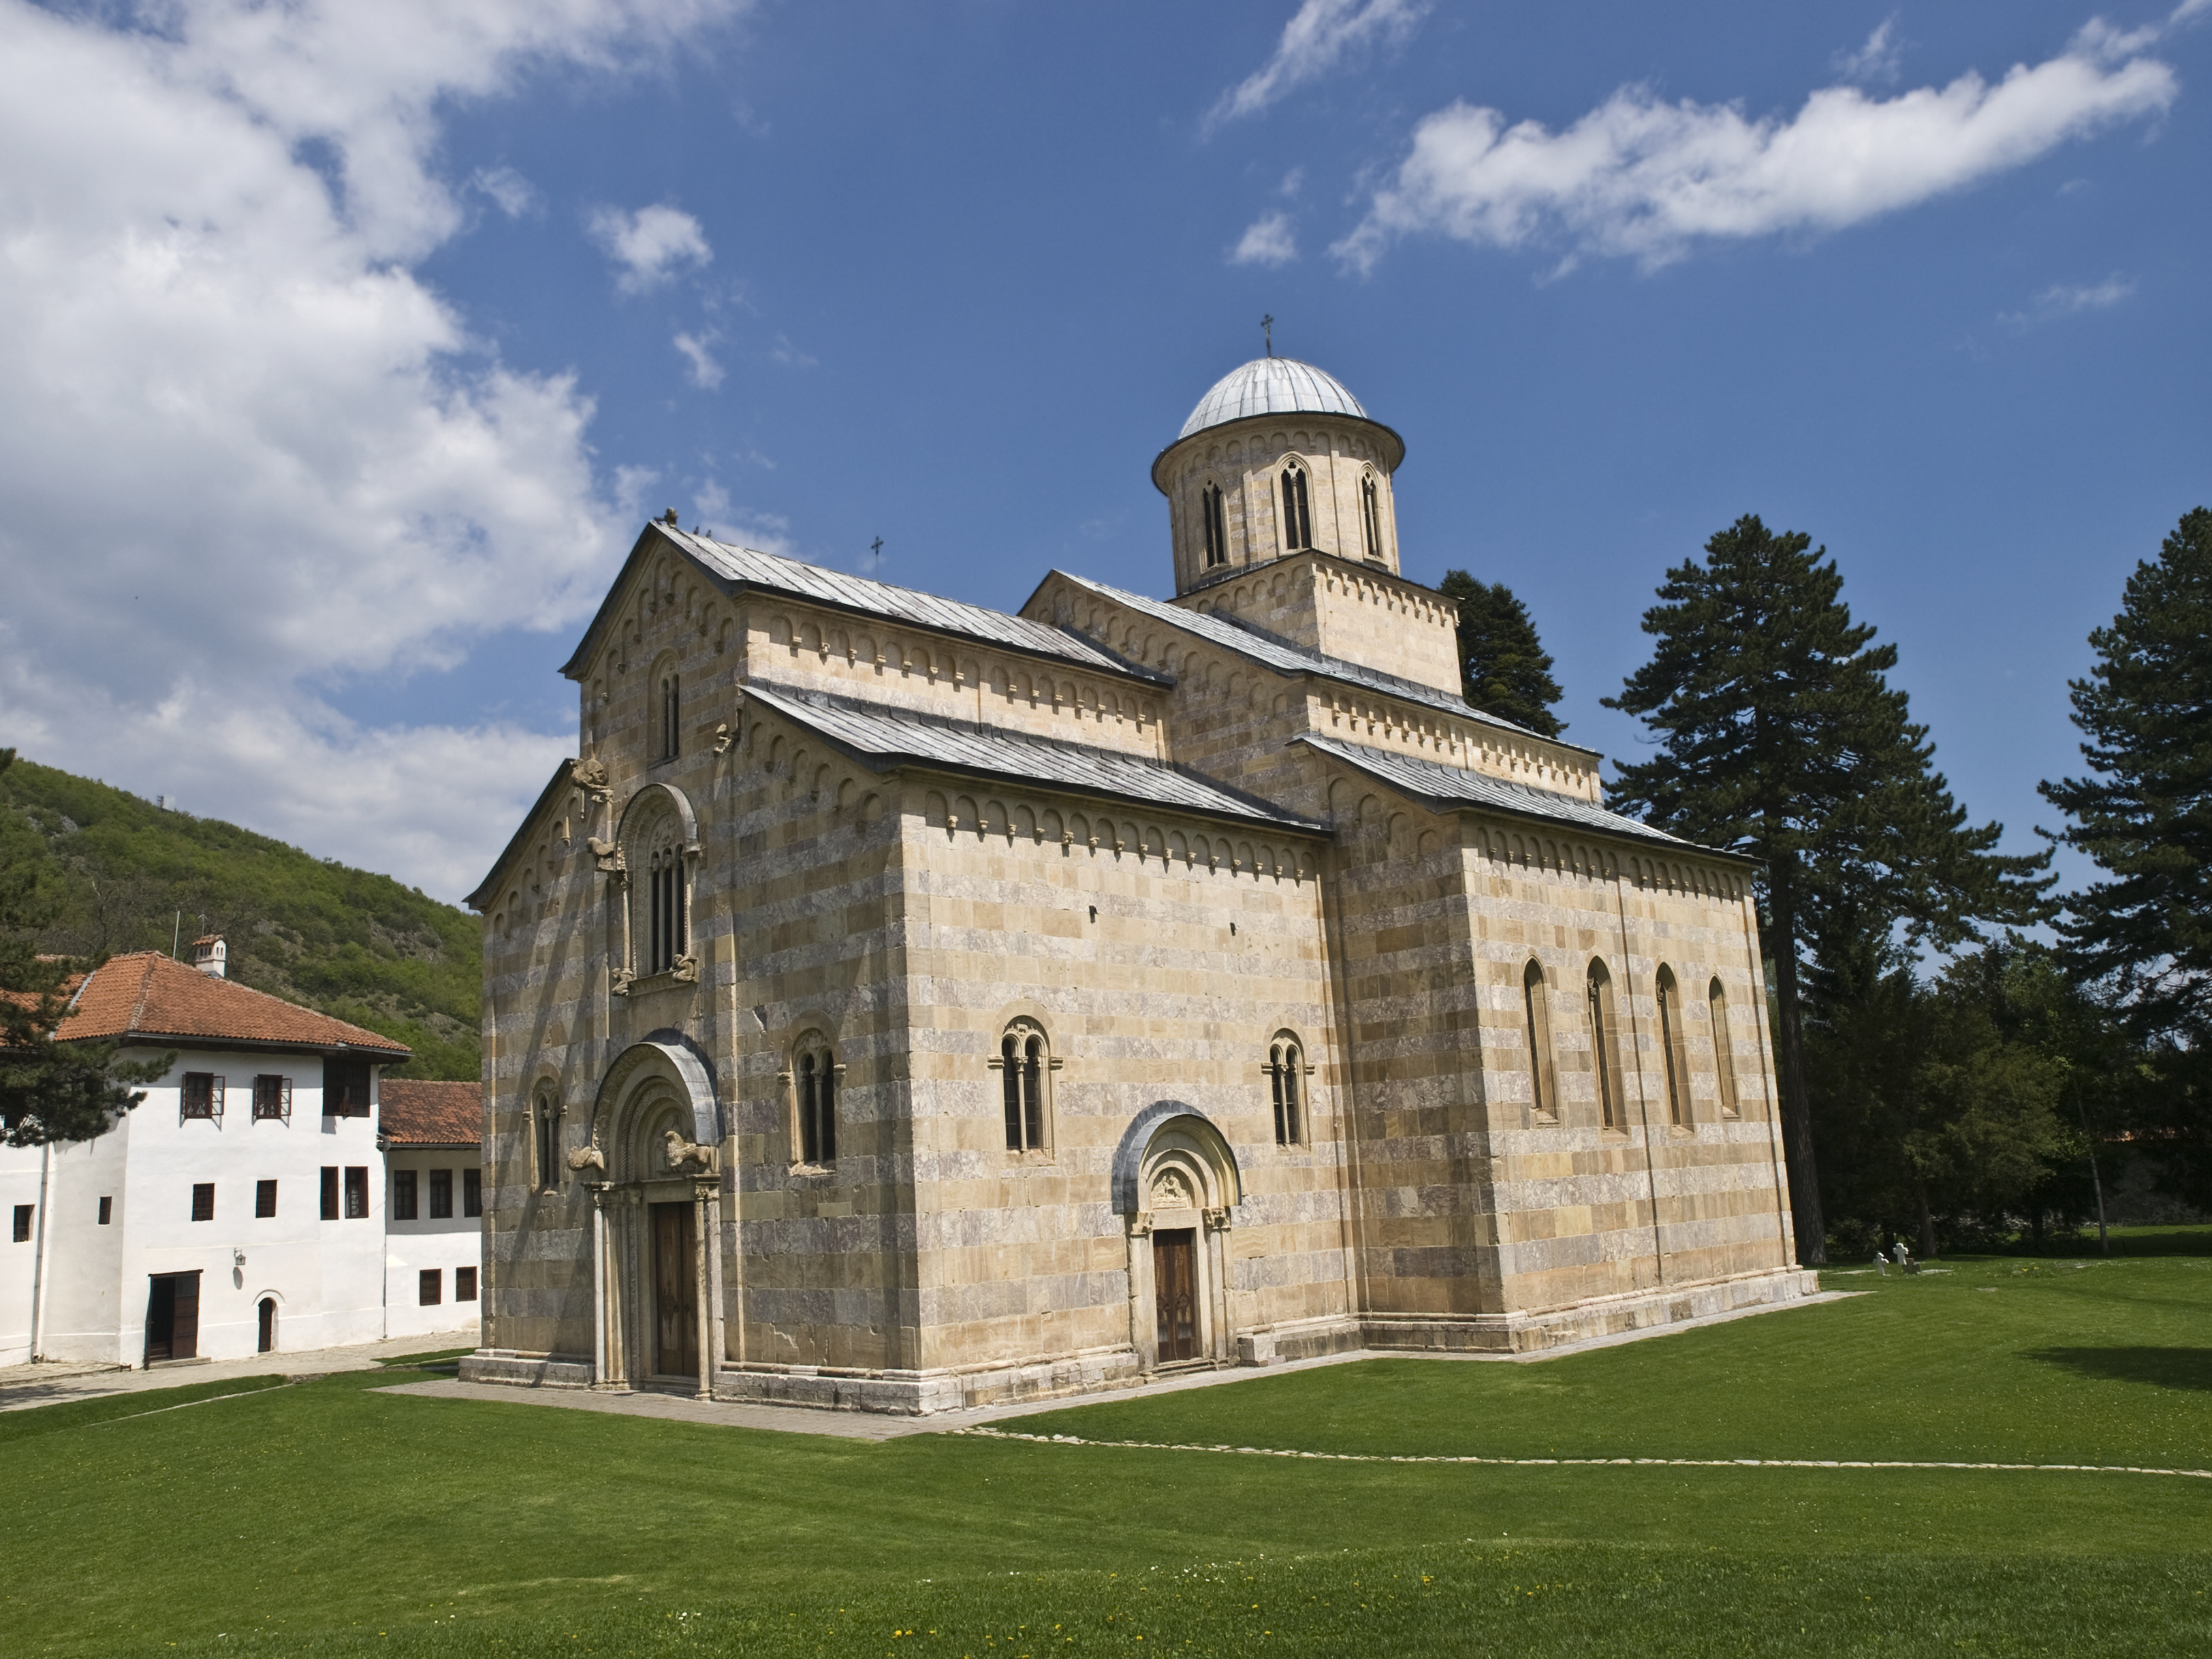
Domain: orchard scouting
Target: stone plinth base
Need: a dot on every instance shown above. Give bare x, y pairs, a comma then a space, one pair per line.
914, 1393
1585, 1322
529, 1371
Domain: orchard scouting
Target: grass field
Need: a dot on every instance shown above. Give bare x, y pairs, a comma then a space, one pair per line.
328, 1518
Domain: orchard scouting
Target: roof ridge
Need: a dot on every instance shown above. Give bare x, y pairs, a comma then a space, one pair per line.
833, 700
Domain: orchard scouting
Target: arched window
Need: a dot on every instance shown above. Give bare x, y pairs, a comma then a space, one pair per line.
1025, 1065
668, 718
1286, 1073
667, 933
1723, 1049
1671, 1055
546, 1132
1543, 1088
1216, 521
1297, 517
1605, 1051
1370, 515
814, 1071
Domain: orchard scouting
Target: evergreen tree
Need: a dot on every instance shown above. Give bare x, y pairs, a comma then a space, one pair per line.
1503, 666
2144, 936
1780, 737
48, 1091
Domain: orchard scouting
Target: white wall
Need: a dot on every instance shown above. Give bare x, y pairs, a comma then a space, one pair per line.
18, 1263
445, 1244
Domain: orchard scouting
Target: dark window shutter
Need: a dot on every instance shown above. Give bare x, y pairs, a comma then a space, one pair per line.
357, 1192
264, 1199
430, 1286
106, 1208
403, 1195
472, 1192
203, 1200
330, 1192
23, 1223
184, 1322
465, 1284
441, 1194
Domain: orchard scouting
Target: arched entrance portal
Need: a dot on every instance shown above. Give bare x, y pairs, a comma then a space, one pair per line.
1176, 1186
657, 1275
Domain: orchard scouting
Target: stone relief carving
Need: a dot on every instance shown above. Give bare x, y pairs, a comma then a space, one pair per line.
1218, 1219
680, 1151
1171, 1191
588, 1158
1140, 1224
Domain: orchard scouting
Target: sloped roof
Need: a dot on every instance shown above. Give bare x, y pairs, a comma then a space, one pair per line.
1272, 385
882, 739
1284, 657
411, 1112
1451, 786
146, 998
735, 567
488, 888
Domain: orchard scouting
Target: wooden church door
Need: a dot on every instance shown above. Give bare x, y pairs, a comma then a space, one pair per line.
675, 1292
1175, 1294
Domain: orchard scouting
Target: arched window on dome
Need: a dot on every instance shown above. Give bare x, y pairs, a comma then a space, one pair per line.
1297, 515
1210, 511
1370, 515
662, 740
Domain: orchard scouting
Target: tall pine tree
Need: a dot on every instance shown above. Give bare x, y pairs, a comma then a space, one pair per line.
2144, 936
1504, 668
1780, 737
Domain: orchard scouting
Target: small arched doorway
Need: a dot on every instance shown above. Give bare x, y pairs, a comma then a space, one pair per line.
266, 1326
1176, 1186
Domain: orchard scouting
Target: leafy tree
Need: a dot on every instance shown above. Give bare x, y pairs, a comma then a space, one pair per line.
1780, 737
2144, 936
48, 1091
1504, 667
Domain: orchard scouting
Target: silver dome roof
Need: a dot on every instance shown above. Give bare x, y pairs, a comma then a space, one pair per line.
1272, 385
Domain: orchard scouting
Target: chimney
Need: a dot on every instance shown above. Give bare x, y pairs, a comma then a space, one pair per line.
211, 956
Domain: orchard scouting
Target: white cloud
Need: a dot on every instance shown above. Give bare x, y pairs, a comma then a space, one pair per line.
1645, 179
250, 458
513, 194
1267, 240
2070, 300
1318, 37
1879, 59
705, 370
789, 355
651, 245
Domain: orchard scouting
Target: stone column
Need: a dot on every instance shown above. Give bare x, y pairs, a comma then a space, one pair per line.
1218, 1224
600, 1268
702, 1252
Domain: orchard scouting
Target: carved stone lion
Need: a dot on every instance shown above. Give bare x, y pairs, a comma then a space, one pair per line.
588, 1158
681, 1152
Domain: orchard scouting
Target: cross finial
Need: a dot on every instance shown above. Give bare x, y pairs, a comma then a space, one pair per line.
1267, 333
875, 547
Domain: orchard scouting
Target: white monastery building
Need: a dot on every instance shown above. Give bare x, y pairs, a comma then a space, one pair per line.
242, 1205
902, 1005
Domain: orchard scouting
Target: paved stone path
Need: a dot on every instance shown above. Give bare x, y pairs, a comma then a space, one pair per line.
48, 1384
1584, 1462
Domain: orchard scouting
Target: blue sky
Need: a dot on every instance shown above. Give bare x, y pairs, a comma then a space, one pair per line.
343, 351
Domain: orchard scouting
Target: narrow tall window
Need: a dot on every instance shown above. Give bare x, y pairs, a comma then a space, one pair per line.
1297, 518
1543, 1092
357, 1192
665, 935
547, 1137
1671, 1056
1605, 1056
1724, 1048
403, 1206
1216, 521
472, 1192
106, 1208
265, 1200
203, 1200
441, 1194
23, 1212
671, 709
1370, 515
1285, 1067
330, 1192
465, 1284
814, 1076
1024, 1061
272, 1099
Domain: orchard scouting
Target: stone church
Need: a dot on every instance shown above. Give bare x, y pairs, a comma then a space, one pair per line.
901, 1005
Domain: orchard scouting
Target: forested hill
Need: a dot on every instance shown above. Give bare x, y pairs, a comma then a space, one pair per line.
114, 870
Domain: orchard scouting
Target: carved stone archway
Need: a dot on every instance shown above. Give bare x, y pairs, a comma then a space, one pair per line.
1176, 1187
655, 1139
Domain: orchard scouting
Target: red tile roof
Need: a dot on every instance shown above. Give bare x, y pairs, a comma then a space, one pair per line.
146, 998
411, 1113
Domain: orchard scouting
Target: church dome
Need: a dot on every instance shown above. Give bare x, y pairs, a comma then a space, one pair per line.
1272, 385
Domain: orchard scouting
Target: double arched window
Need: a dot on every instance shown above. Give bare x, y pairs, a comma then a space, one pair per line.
1672, 1054
1723, 1049
1215, 518
1543, 1087
1297, 515
1285, 1084
667, 904
1025, 1067
1605, 1048
814, 1071
1370, 515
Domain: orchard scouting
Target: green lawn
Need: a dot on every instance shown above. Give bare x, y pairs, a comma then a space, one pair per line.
327, 1518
